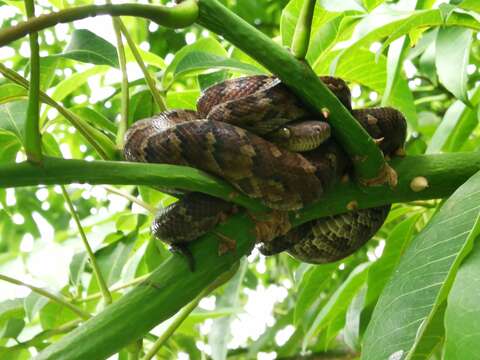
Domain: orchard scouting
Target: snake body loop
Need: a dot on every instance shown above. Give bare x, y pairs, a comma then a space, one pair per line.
231, 136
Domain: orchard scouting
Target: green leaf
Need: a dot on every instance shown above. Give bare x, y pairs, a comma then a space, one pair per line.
396, 54
196, 62
465, 125
462, 317
452, 55
328, 35
183, 99
73, 82
11, 145
351, 332
396, 244
470, 5
142, 106
112, 258
338, 303
147, 57
220, 334
87, 47
310, 287
210, 79
95, 118
208, 45
422, 279
11, 92
12, 314
289, 19
33, 304
433, 336
372, 4
12, 118
77, 267
53, 315
446, 127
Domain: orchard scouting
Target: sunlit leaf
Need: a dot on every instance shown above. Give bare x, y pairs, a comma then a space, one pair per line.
453, 50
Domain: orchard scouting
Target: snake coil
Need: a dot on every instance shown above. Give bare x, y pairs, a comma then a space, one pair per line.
254, 133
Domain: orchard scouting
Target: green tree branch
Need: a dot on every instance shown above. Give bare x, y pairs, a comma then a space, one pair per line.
172, 285
300, 78
179, 16
444, 173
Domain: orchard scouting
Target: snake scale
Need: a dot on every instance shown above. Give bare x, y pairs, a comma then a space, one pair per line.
254, 133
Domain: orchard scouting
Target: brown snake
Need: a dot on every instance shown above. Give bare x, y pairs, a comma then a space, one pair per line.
227, 137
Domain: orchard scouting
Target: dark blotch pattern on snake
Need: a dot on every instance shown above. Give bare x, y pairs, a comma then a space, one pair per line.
231, 136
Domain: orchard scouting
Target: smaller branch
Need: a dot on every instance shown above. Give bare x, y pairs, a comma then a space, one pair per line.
122, 126
38, 339
33, 139
133, 199
96, 269
115, 288
179, 16
159, 100
84, 315
301, 37
429, 99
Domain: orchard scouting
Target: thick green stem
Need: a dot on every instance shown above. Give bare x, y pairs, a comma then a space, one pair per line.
176, 17
301, 37
301, 79
33, 139
57, 299
183, 314
107, 297
159, 100
60, 171
150, 303
444, 172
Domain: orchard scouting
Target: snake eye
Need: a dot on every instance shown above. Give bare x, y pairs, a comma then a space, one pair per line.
284, 133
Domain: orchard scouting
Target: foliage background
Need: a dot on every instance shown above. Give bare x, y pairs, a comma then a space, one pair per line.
273, 307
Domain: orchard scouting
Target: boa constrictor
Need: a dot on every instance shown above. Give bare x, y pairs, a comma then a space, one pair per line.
254, 133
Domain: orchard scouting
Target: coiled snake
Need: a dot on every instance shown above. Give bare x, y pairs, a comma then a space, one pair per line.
254, 133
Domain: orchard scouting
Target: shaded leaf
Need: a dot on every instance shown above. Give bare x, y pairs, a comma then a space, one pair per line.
198, 61
87, 47
338, 303
77, 267
220, 334
424, 275
208, 45
12, 118
33, 304
11, 92
462, 317
12, 314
